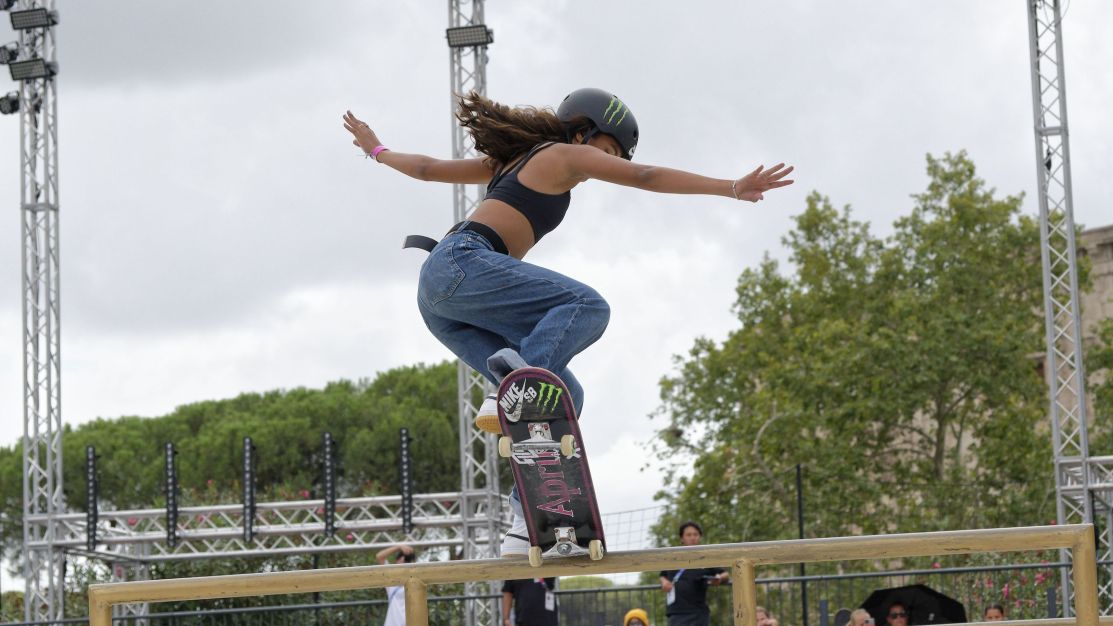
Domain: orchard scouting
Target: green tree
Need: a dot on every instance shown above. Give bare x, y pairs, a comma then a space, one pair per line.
897, 371
11, 606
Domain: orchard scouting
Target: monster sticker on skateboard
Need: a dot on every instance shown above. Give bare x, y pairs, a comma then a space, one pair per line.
542, 439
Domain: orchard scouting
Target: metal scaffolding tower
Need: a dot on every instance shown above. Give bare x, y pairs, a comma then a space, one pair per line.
480, 502
1082, 482
43, 560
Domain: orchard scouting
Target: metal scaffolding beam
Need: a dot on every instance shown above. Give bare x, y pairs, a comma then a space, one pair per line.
280, 528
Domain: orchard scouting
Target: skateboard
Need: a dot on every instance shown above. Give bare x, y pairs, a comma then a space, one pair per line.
541, 437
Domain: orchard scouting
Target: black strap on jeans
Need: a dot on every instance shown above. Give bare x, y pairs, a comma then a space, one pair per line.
428, 243
420, 241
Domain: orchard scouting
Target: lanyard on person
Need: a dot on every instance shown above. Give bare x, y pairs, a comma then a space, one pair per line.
550, 597
671, 596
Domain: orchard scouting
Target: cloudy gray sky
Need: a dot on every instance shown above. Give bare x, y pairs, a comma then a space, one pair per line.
220, 233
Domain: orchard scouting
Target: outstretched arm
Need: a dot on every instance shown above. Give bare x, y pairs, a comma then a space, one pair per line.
418, 166
388, 552
385, 553
587, 162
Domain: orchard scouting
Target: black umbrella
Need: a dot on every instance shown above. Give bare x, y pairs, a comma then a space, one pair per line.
923, 604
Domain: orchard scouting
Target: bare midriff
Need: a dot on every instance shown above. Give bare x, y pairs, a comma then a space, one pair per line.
509, 223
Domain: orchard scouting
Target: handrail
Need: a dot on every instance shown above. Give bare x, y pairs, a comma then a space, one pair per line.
741, 557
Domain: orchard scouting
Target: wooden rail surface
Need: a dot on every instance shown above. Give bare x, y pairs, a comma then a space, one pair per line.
742, 558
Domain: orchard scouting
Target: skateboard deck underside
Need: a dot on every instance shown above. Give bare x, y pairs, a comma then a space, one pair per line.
558, 497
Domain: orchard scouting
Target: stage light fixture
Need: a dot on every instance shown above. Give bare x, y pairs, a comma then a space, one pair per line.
10, 103
33, 18
9, 53
32, 69
467, 36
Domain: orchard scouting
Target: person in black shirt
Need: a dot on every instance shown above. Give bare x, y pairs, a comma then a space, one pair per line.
534, 602
686, 589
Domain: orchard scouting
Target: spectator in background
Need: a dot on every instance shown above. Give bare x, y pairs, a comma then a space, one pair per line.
534, 602
898, 615
994, 613
860, 617
636, 617
686, 589
395, 596
764, 617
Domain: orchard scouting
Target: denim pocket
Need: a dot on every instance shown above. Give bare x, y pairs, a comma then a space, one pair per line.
440, 276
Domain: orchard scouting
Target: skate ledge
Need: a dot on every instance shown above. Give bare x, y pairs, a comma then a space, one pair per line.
741, 557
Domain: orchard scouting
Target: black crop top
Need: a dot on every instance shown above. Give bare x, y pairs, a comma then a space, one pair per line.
544, 211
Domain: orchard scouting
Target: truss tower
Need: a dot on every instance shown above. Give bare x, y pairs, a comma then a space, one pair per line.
1082, 483
43, 560
480, 503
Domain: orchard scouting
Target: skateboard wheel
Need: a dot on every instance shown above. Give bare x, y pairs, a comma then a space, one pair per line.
504, 447
595, 549
568, 446
535, 556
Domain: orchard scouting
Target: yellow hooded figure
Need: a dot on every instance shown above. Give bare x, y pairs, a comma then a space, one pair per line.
636, 614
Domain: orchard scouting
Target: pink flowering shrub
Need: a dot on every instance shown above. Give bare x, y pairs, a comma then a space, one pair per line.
1022, 592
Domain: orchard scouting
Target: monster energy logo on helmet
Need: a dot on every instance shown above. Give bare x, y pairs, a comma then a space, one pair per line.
620, 108
607, 111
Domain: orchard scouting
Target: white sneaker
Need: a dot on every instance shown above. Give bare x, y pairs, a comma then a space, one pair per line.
515, 543
487, 419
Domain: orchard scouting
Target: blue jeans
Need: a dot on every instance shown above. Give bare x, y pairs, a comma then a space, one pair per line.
479, 302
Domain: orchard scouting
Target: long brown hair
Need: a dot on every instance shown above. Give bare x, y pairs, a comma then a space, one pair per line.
502, 132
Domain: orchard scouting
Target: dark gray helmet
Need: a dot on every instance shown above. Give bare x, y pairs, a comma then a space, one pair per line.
609, 114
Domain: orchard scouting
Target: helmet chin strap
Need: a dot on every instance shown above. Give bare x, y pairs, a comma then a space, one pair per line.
588, 135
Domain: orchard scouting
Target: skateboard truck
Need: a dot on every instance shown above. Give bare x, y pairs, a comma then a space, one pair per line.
540, 431
565, 543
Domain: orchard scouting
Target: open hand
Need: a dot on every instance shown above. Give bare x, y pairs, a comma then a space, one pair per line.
751, 186
365, 138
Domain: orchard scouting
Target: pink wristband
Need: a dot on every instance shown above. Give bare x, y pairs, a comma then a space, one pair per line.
377, 150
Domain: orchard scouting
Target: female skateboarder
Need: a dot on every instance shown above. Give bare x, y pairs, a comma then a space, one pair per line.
477, 296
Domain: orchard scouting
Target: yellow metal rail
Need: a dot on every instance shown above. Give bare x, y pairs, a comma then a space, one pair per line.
743, 558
